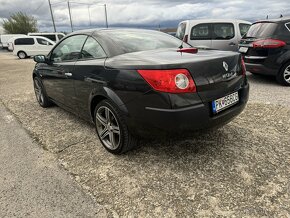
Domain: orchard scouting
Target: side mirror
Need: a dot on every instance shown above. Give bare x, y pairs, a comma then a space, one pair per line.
40, 59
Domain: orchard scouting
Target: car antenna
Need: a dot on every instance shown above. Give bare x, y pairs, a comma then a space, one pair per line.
181, 46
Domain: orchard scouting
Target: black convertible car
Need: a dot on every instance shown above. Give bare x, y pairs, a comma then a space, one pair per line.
133, 83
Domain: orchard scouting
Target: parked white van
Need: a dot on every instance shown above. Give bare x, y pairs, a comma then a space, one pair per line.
55, 37
5, 37
222, 34
32, 45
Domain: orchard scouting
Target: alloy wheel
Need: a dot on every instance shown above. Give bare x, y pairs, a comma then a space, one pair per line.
108, 128
38, 92
287, 74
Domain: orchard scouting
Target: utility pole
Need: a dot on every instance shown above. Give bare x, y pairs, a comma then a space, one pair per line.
51, 16
107, 25
89, 15
71, 25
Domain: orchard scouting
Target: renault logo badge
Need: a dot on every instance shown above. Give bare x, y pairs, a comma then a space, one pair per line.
226, 66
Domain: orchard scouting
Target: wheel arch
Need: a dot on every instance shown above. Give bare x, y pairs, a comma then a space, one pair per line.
284, 59
106, 94
21, 51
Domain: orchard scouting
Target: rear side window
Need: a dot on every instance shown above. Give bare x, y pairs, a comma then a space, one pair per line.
200, 32
261, 30
24, 41
181, 31
244, 28
92, 49
223, 31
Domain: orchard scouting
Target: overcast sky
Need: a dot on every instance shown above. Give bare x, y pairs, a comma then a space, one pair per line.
144, 13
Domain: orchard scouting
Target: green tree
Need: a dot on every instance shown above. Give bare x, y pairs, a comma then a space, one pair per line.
20, 23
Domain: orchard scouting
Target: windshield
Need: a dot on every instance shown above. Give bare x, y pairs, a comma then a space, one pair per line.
261, 30
134, 41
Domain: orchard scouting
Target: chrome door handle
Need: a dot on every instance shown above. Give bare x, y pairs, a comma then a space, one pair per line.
68, 74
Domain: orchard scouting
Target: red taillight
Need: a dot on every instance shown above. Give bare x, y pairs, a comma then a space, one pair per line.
188, 50
185, 39
243, 67
268, 43
172, 81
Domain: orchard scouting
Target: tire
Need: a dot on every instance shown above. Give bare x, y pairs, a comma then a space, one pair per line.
283, 77
40, 93
22, 55
112, 129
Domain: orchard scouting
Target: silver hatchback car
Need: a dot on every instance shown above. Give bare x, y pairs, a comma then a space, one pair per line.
222, 34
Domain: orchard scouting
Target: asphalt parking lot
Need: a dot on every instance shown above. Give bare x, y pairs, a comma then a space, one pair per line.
239, 170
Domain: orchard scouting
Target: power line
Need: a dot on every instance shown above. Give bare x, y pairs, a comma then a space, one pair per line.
97, 4
41, 4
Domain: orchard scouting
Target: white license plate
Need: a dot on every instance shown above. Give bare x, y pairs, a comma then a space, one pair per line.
225, 102
243, 49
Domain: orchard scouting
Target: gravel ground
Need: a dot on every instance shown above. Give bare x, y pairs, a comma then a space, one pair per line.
239, 170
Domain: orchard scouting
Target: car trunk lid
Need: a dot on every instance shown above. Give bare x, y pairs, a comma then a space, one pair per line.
215, 73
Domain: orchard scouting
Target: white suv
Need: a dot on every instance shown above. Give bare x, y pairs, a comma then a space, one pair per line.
222, 34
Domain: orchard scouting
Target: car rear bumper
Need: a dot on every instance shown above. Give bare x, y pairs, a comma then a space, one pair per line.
261, 69
160, 122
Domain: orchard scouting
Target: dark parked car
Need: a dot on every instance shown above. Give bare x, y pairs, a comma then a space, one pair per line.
266, 49
133, 83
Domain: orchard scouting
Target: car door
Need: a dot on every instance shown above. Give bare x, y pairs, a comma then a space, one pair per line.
200, 35
89, 74
28, 46
58, 76
33, 48
223, 37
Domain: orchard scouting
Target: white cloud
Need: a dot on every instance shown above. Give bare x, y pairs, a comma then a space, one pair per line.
149, 13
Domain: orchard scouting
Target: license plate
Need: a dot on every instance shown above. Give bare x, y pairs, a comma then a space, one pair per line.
225, 102
243, 49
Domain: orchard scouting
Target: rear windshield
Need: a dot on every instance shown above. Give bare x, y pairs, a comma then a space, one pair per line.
261, 30
134, 41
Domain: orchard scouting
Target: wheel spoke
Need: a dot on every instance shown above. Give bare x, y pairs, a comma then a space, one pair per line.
107, 115
36, 85
108, 128
104, 133
40, 96
38, 91
287, 72
115, 129
112, 139
101, 120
